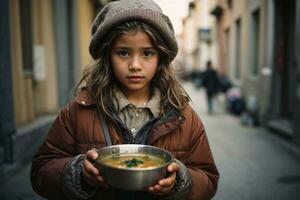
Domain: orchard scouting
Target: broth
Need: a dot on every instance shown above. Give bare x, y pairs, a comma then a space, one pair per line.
133, 161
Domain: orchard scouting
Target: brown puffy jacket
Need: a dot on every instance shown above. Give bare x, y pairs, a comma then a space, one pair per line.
77, 129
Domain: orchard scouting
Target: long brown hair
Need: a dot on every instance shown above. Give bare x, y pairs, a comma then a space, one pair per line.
100, 79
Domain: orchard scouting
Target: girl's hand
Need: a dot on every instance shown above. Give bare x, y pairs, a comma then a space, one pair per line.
90, 173
166, 185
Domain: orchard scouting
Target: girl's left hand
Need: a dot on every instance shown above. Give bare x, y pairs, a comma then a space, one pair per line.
166, 185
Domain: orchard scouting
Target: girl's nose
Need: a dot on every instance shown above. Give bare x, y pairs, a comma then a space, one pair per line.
135, 63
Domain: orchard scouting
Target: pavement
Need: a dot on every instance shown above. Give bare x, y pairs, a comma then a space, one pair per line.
253, 162
19, 186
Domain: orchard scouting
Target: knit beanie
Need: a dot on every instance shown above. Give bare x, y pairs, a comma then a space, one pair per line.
117, 12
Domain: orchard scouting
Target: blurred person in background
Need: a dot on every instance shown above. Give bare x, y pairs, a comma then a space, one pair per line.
211, 84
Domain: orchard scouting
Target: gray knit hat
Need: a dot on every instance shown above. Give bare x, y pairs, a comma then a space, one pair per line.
117, 12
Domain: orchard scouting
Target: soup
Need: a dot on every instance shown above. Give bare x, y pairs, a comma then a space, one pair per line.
133, 161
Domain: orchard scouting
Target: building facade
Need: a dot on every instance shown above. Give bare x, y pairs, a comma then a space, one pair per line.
259, 46
44, 48
198, 35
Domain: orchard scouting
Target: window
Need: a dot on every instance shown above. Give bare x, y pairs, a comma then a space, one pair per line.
237, 72
26, 36
254, 42
227, 48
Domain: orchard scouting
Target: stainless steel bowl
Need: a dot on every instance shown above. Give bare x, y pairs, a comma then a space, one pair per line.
133, 179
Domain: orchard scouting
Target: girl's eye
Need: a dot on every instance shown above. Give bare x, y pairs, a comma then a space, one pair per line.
148, 53
123, 53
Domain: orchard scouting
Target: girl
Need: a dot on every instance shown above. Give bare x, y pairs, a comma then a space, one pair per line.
133, 87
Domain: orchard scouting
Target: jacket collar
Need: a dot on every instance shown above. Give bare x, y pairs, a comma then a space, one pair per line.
166, 124
85, 97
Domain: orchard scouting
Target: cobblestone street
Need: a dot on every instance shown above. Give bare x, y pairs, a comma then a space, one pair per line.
253, 163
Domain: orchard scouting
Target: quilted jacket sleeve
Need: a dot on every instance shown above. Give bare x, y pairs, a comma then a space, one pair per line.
200, 162
56, 151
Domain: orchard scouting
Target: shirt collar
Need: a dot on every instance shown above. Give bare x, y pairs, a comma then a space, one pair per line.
120, 100
153, 104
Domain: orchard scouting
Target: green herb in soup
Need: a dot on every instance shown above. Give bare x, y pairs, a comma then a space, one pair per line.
133, 161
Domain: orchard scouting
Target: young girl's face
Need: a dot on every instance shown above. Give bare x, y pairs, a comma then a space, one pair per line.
134, 61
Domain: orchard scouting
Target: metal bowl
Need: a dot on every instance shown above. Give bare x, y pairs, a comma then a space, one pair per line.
134, 179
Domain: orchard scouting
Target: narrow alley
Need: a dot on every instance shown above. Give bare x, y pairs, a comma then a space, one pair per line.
248, 50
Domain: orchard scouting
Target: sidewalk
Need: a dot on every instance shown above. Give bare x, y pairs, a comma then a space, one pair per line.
253, 162
19, 187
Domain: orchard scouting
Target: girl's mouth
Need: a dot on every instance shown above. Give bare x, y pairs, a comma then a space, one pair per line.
135, 78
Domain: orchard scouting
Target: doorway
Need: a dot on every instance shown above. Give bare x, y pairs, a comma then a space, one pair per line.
283, 98
284, 68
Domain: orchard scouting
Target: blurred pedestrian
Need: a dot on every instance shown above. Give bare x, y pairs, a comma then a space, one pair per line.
211, 84
133, 87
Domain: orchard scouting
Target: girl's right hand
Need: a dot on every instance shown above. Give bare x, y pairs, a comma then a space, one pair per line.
90, 173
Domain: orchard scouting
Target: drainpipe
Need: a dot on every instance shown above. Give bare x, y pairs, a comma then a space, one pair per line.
7, 125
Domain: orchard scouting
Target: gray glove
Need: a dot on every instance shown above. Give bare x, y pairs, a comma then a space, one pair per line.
183, 184
73, 182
